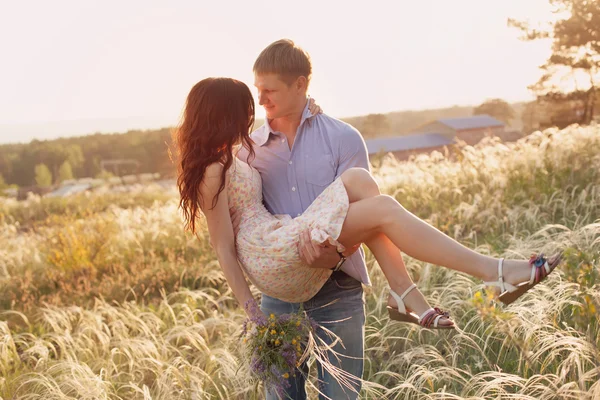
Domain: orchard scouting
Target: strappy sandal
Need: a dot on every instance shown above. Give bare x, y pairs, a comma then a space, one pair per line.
540, 269
429, 319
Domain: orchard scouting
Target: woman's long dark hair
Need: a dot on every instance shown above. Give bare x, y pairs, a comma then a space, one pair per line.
219, 114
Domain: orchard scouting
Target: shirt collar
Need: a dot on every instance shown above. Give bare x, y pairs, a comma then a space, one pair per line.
261, 135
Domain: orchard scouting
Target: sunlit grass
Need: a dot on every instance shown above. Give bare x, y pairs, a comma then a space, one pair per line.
105, 296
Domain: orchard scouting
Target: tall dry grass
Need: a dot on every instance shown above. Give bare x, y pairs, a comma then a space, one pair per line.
118, 303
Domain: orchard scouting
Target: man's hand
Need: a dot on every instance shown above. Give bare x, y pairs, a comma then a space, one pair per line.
236, 217
320, 255
317, 255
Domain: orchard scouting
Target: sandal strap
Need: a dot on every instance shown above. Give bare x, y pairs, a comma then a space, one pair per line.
504, 286
425, 319
433, 317
407, 291
501, 274
400, 299
539, 268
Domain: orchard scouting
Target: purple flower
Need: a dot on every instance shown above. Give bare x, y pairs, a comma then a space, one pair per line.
284, 318
257, 365
256, 316
313, 325
259, 319
280, 339
244, 328
279, 382
289, 355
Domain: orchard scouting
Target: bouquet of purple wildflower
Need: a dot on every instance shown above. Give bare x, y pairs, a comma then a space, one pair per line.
276, 345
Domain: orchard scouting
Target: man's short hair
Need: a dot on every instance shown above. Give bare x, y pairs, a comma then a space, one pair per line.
285, 59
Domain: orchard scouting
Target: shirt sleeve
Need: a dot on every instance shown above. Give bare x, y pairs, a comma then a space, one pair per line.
352, 151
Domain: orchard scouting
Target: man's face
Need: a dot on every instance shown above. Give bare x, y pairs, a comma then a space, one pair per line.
277, 98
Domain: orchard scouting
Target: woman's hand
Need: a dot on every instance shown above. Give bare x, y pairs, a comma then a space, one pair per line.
313, 107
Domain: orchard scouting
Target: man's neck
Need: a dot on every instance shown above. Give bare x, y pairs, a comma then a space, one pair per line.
288, 125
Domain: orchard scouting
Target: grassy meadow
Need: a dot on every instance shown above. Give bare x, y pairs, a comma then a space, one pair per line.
103, 296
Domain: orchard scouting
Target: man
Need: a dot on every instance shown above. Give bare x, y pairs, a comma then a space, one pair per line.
298, 155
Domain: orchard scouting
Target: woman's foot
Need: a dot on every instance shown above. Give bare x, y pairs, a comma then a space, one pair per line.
514, 271
411, 306
515, 277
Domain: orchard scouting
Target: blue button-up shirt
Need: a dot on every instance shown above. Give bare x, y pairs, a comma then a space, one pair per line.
323, 149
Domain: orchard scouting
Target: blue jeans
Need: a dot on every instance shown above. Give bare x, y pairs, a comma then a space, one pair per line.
350, 308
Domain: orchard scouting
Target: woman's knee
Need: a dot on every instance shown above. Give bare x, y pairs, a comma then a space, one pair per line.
355, 173
390, 208
360, 184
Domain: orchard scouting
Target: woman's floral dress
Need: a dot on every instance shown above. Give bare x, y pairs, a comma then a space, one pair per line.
267, 244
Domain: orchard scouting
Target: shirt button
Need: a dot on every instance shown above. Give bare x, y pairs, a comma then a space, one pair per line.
290, 162
293, 188
282, 140
297, 215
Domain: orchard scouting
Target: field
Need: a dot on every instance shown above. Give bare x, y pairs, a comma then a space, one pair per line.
105, 297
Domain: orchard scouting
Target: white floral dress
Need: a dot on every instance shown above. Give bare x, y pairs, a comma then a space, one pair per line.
267, 244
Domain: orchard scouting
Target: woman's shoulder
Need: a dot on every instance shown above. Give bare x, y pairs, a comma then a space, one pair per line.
214, 170
214, 177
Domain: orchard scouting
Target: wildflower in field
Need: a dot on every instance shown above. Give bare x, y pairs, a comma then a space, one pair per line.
275, 357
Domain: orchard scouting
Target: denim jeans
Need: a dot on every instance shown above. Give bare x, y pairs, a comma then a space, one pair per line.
346, 318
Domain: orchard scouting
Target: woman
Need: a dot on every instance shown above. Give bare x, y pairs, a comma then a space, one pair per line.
218, 117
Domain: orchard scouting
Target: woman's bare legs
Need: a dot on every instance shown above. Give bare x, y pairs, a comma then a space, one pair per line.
382, 214
389, 257
391, 263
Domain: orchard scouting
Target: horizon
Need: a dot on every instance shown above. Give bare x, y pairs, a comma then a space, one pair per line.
134, 127
112, 67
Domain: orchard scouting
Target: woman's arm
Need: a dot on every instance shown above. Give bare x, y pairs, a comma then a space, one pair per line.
221, 233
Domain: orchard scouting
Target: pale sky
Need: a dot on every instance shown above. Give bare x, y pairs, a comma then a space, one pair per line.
77, 67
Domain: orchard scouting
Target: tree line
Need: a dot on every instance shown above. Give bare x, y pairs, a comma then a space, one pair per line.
575, 58
49, 162
44, 163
